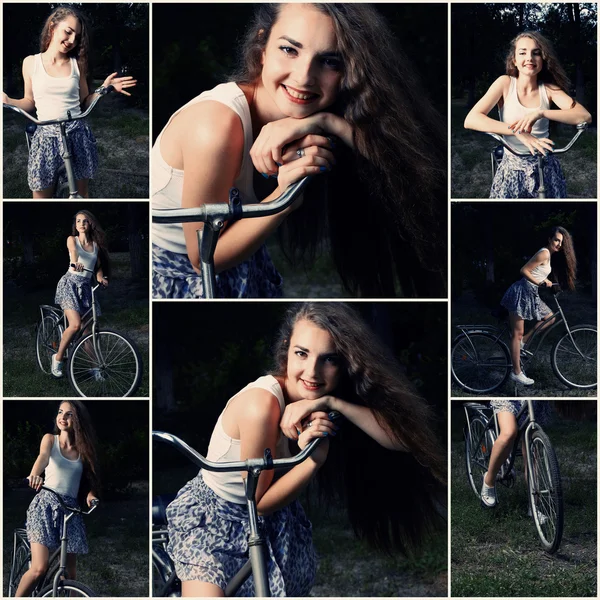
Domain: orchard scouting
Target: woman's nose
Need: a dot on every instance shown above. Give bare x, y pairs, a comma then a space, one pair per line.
303, 72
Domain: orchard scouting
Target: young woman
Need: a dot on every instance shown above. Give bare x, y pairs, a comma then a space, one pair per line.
322, 91
88, 257
507, 411
65, 458
326, 358
56, 81
534, 81
523, 301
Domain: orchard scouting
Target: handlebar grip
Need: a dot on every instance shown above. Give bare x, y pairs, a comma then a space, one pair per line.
88, 270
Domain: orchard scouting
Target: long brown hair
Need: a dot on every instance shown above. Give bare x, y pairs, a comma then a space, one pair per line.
96, 235
564, 263
552, 72
394, 184
81, 50
83, 439
358, 469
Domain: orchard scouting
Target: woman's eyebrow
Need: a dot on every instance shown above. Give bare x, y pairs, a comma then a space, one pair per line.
291, 41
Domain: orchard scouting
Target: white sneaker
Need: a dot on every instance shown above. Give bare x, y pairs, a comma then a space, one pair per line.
543, 519
522, 378
522, 344
488, 496
96, 374
56, 367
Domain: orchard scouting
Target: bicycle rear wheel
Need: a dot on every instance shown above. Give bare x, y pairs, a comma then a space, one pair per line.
68, 589
480, 362
478, 449
114, 371
545, 492
575, 364
47, 341
21, 560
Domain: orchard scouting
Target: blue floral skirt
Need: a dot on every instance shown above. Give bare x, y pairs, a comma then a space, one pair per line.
541, 408
523, 298
517, 177
45, 154
208, 541
74, 292
174, 277
45, 523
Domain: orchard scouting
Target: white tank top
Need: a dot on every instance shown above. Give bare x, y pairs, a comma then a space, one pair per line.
54, 96
87, 259
62, 474
542, 271
167, 183
513, 110
223, 448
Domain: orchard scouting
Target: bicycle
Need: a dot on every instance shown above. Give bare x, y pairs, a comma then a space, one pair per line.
481, 361
164, 579
55, 582
70, 189
215, 215
498, 152
544, 486
102, 362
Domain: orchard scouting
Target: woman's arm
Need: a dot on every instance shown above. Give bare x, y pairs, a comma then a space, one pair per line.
39, 466
538, 259
361, 416
569, 114
478, 119
119, 83
258, 421
73, 254
26, 103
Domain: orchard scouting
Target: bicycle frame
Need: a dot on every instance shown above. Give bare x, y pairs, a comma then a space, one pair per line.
215, 215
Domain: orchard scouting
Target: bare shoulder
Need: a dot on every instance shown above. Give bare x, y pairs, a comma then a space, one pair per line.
47, 442
258, 404
502, 83
71, 241
28, 65
543, 254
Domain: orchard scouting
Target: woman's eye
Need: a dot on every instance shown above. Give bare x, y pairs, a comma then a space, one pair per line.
288, 50
300, 353
332, 63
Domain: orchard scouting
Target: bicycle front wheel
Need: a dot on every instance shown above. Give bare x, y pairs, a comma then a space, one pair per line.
480, 362
574, 357
47, 341
20, 564
110, 368
545, 492
478, 449
68, 589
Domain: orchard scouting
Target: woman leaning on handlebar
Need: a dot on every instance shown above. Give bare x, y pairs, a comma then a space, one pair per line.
534, 81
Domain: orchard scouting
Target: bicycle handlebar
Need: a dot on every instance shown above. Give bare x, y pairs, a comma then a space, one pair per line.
91, 271
234, 209
264, 463
25, 114
62, 502
581, 127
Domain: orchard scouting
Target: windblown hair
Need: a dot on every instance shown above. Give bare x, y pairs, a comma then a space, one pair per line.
96, 235
84, 440
552, 72
81, 50
358, 470
394, 184
564, 263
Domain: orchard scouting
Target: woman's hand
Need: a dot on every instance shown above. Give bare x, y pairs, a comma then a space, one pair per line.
120, 83
317, 425
268, 148
91, 498
295, 413
5, 99
78, 267
543, 145
35, 482
103, 281
545, 283
525, 125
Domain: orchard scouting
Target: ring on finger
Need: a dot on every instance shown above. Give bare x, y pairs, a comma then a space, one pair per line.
300, 152
309, 424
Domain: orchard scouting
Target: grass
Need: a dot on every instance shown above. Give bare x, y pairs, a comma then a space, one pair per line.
122, 136
22, 376
579, 308
497, 552
471, 174
117, 532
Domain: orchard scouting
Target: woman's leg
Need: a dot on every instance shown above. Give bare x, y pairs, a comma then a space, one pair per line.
517, 327
202, 589
83, 187
546, 322
74, 319
45, 193
502, 446
71, 565
39, 565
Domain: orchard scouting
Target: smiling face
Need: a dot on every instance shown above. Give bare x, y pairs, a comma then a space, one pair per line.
65, 417
313, 365
82, 223
555, 242
66, 34
302, 69
528, 57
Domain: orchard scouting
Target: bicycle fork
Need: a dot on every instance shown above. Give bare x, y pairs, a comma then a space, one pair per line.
61, 573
